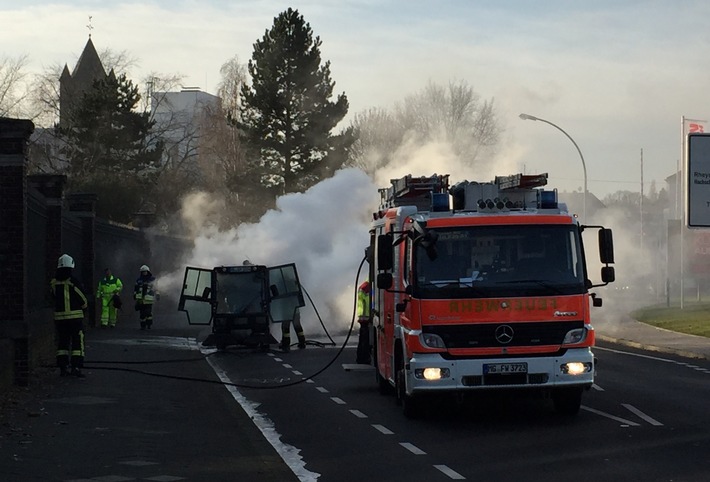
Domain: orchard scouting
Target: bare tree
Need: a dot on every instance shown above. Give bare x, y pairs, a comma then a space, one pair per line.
454, 114
378, 134
234, 75
12, 85
120, 62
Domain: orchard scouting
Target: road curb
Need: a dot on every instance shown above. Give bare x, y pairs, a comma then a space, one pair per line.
654, 348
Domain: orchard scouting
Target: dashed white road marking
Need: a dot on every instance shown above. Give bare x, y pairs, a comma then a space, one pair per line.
358, 413
608, 415
412, 448
322, 389
452, 474
309, 381
286, 365
382, 429
597, 387
641, 415
337, 400
296, 372
270, 354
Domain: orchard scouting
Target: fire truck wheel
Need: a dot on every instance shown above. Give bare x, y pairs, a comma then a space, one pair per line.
567, 400
411, 405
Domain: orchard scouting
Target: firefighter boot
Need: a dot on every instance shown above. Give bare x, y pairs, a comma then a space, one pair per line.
285, 343
301, 340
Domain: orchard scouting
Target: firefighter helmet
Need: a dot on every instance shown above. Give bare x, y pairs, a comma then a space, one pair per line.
145, 268
65, 261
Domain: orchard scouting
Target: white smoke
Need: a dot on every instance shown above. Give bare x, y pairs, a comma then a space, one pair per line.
324, 231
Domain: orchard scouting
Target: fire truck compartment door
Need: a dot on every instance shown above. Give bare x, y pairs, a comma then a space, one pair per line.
286, 293
196, 296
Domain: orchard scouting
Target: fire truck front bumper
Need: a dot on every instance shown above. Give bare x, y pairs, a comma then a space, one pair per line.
430, 372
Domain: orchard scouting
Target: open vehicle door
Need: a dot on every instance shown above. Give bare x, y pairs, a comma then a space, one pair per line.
286, 293
196, 296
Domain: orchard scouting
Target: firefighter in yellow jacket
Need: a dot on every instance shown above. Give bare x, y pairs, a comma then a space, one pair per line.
363, 317
69, 304
109, 288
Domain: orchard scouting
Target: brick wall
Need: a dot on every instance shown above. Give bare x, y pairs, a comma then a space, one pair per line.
14, 135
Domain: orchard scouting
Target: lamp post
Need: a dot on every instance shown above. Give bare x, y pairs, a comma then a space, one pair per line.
584, 166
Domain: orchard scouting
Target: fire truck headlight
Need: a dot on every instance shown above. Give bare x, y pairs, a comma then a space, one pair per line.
432, 341
432, 373
575, 336
576, 368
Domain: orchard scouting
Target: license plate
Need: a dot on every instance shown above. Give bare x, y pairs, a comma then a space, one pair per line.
504, 368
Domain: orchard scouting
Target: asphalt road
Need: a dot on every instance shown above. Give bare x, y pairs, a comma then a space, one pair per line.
645, 419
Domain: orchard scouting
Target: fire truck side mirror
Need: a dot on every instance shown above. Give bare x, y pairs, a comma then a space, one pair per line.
608, 275
385, 252
384, 281
606, 246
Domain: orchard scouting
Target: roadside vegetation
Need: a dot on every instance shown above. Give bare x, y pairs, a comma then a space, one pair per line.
693, 319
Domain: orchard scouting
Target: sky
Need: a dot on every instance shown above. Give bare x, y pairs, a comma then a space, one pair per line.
616, 76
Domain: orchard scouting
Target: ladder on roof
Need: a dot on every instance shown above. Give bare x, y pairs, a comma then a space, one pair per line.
521, 181
410, 189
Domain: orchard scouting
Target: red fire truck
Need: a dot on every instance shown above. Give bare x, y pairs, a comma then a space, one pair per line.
481, 286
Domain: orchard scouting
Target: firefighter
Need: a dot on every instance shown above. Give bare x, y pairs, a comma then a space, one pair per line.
286, 331
108, 291
69, 305
363, 317
145, 295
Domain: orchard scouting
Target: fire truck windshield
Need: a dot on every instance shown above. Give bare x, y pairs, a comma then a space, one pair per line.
501, 260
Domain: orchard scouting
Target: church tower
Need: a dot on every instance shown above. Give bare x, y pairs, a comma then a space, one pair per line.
73, 85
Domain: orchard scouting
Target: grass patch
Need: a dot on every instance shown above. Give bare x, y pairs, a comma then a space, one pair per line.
693, 319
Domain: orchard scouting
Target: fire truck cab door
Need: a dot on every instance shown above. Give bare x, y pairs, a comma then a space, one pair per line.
196, 296
286, 293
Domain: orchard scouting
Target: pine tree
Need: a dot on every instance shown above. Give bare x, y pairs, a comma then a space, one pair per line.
287, 117
108, 148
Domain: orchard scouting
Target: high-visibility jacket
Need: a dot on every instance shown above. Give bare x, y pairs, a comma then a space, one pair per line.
144, 291
363, 303
109, 287
69, 300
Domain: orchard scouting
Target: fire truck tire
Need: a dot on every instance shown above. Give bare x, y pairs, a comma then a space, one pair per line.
411, 406
567, 401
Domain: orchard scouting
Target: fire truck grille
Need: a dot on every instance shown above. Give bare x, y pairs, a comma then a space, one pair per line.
487, 335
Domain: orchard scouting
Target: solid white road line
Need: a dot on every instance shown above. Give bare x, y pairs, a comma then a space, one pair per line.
289, 453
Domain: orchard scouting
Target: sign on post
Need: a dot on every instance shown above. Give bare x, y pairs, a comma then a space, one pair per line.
698, 181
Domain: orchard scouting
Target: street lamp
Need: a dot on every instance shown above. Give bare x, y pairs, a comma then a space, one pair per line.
584, 166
